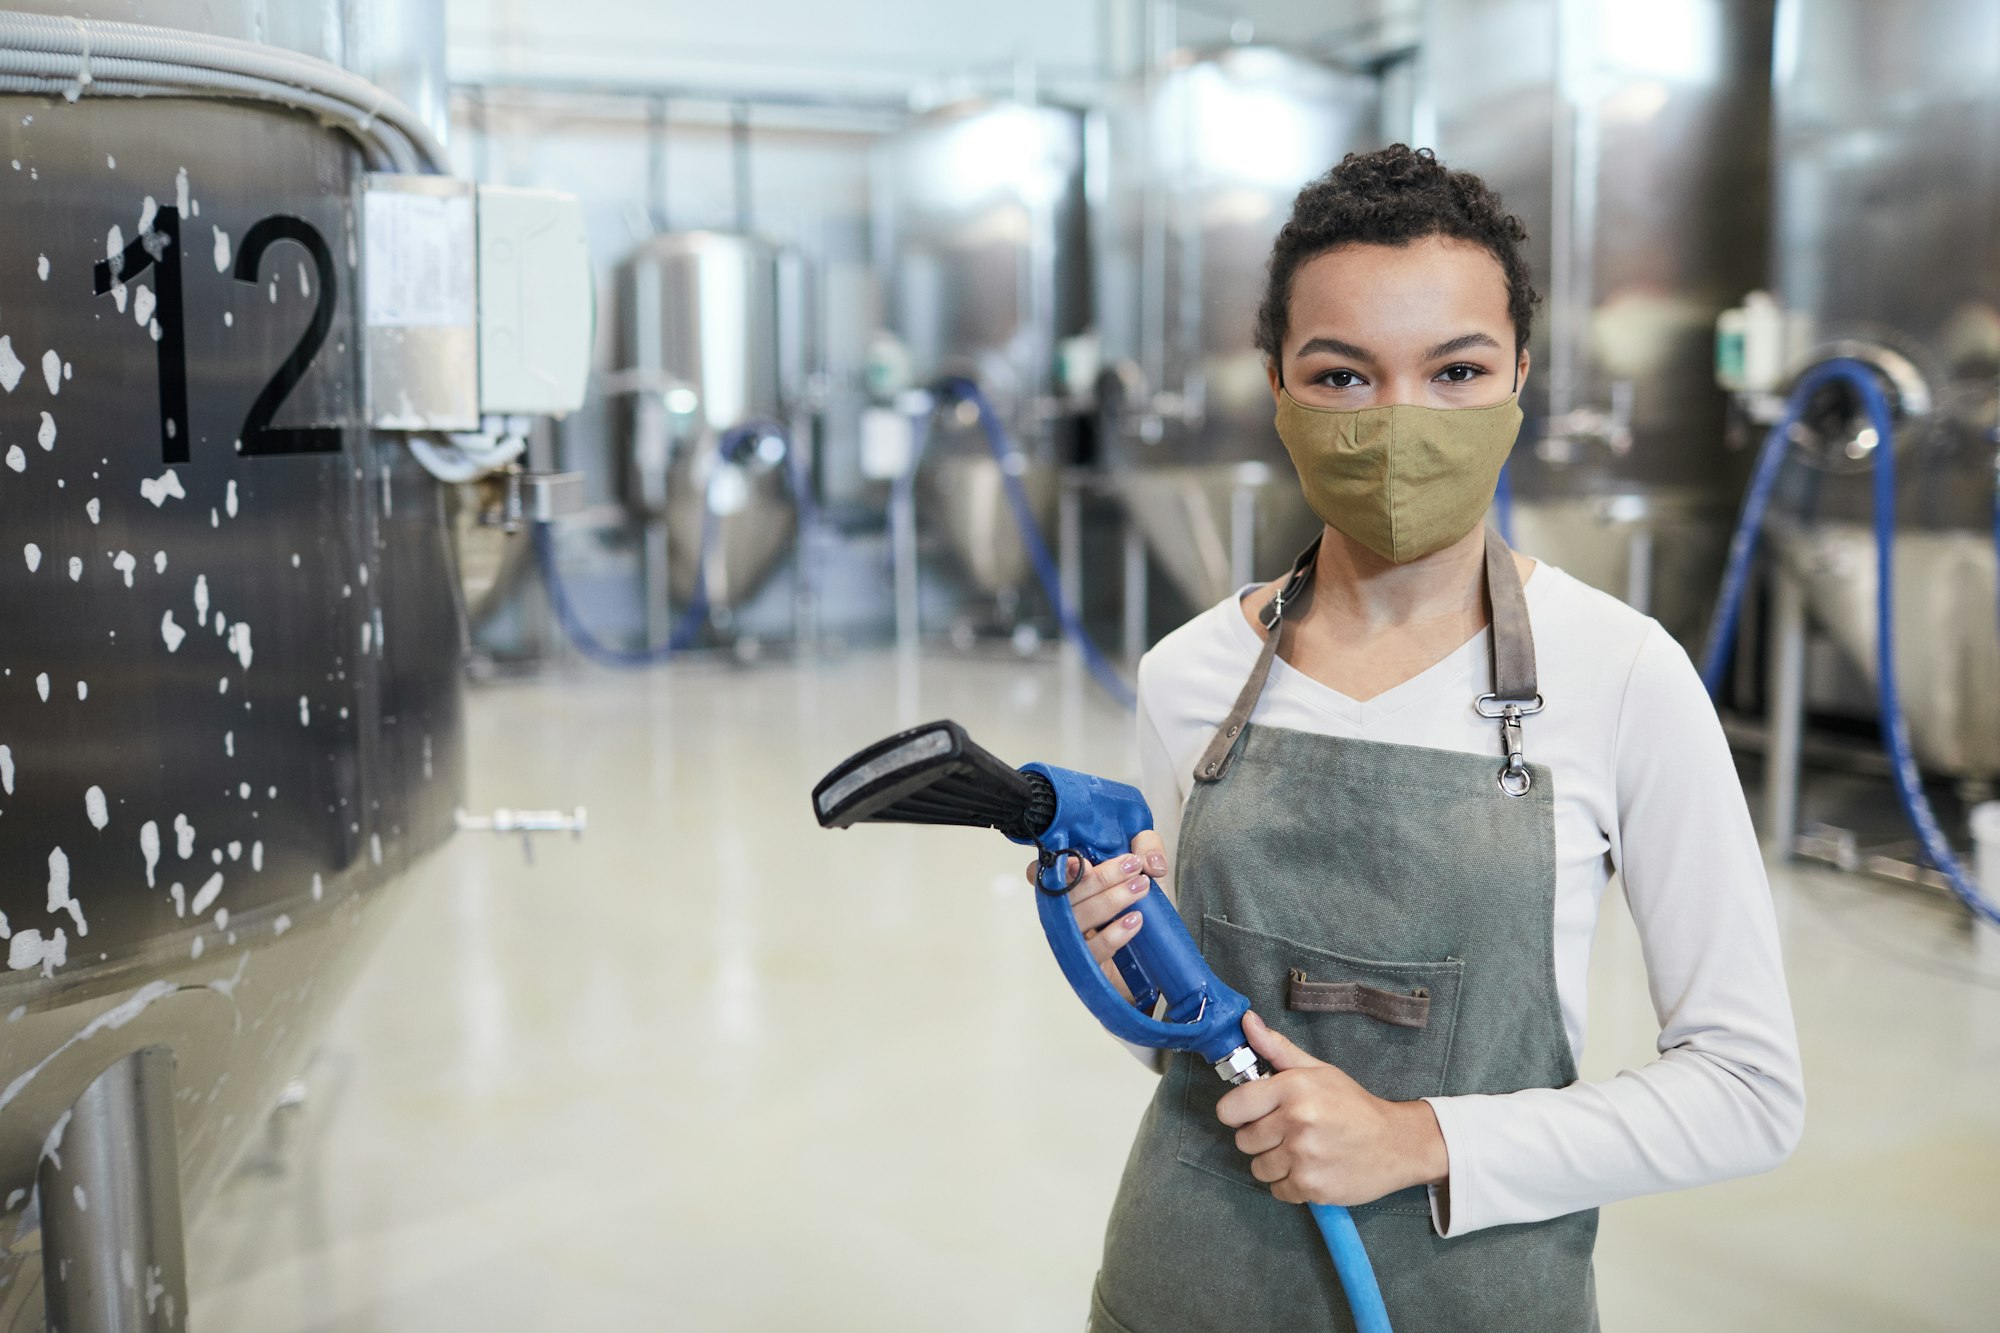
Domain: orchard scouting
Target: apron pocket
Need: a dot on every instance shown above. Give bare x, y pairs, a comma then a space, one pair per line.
1389, 1025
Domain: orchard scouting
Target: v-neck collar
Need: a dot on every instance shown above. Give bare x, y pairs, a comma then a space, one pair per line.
1455, 668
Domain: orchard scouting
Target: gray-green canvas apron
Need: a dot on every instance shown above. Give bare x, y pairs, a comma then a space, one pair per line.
1390, 909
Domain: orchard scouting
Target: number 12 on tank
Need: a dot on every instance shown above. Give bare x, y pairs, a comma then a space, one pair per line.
158, 248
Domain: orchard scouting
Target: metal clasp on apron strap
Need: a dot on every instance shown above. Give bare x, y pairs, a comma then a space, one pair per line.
1515, 778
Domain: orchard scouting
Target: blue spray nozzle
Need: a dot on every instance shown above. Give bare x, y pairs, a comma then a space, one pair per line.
1097, 819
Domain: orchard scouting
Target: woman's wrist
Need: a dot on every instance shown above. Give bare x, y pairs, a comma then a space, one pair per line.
1421, 1143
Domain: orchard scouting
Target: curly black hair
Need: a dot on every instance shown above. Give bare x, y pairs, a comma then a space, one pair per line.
1393, 196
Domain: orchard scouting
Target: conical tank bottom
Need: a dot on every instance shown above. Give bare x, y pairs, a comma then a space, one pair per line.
965, 495
1187, 513
1947, 639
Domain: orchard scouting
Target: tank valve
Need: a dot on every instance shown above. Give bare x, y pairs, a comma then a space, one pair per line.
527, 823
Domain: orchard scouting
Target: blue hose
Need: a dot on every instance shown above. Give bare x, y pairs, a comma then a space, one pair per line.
1503, 504
1004, 454
686, 630
1357, 1274
1742, 547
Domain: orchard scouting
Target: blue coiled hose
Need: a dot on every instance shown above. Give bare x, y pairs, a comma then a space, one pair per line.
1860, 377
686, 630
958, 388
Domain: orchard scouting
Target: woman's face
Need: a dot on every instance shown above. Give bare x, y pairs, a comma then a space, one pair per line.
1424, 323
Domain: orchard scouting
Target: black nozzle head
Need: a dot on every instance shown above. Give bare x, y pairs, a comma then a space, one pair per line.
934, 774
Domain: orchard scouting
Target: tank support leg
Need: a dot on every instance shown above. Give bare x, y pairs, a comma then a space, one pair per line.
1135, 591
113, 1258
1786, 691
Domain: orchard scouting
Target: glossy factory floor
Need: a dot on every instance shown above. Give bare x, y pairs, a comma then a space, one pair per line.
714, 1069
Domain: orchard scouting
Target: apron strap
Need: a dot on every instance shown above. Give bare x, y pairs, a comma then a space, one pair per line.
1291, 599
1513, 638
1514, 694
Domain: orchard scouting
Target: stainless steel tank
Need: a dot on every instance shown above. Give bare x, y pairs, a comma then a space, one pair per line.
230, 724
702, 351
1633, 141
1886, 245
1201, 161
980, 213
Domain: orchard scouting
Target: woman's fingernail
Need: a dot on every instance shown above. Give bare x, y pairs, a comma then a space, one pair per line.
1131, 919
1136, 887
1130, 865
1156, 863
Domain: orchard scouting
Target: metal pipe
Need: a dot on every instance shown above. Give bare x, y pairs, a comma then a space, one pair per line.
1639, 569
1136, 591
1242, 535
113, 1255
739, 157
656, 163
1069, 549
1787, 690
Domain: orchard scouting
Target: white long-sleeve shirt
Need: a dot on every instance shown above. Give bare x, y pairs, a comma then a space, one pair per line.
1644, 787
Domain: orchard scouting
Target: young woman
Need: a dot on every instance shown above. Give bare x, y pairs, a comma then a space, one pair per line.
1398, 781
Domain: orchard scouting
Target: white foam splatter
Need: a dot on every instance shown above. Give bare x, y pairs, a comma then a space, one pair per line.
10, 365
52, 1143
94, 805
94, 509
76, 1191
125, 563
195, 951
236, 851
59, 899
229, 743
183, 837
242, 791
222, 921
149, 847
229, 499
375, 848
201, 599
159, 562
157, 489
46, 434
82, 690
16, 459
305, 712
281, 925
257, 855
52, 370
42, 267
222, 685
171, 633
221, 250
319, 888
367, 636
181, 191
179, 894
28, 949
143, 303
228, 319
33, 555
239, 643
6, 770
206, 894
42, 685
76, 569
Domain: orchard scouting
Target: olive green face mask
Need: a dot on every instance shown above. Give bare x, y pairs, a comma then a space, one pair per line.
1404, 481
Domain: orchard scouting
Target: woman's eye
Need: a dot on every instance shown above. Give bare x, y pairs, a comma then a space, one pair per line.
1338, 379
1462, 373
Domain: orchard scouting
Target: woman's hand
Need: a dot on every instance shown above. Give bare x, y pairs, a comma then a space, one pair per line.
1105, 895
1317, 1136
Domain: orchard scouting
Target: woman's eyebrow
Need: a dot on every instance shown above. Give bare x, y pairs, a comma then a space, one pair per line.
1336, 346
1459, 344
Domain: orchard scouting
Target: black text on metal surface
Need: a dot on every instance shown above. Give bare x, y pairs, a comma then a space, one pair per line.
158, 248
259, 435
